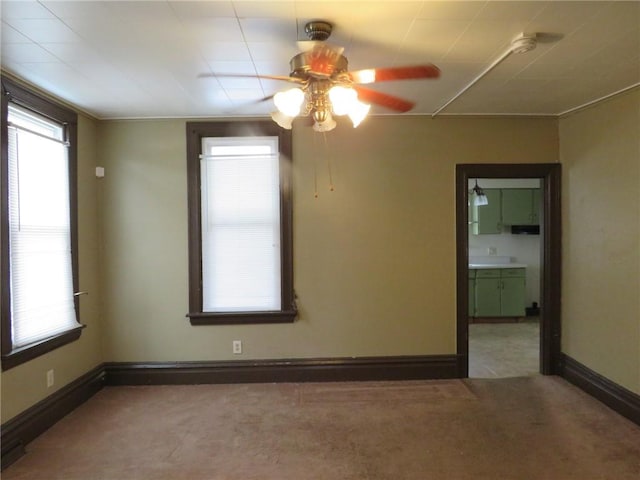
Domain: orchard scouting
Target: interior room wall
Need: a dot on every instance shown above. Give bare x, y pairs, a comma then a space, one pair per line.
600, 153
523, 249
25, 385
374, 260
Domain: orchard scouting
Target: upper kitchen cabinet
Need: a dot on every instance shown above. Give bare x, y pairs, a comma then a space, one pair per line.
520, 206
485, 219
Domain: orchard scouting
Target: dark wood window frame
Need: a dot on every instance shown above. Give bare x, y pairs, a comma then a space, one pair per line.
196, 131
15, 93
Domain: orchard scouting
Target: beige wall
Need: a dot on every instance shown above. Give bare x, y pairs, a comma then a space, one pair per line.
25, 385
600, 153
374, 260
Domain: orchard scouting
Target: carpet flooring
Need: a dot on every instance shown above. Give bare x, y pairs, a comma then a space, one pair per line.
524, 428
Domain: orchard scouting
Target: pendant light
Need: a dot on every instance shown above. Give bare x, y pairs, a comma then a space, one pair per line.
481, 198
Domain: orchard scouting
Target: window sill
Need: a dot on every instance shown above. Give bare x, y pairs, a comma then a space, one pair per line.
22, 355
242, 318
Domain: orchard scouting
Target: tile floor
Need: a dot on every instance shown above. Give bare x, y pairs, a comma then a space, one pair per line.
498, 350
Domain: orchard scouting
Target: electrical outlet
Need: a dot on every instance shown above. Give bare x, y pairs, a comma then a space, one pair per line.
237, 347
50, 378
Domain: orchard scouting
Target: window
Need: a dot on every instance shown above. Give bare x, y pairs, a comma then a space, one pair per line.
240, 237
39, 254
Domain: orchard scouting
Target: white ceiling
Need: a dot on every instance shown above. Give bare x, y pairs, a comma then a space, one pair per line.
143, 59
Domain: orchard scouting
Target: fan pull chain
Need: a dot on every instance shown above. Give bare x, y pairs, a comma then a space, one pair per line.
315, 166
326, 148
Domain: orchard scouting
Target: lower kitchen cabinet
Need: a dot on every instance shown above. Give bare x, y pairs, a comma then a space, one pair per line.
499, 292
487, 293
512, 302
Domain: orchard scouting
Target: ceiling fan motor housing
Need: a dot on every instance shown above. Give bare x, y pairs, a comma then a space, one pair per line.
318, 30
304, 63
322, 60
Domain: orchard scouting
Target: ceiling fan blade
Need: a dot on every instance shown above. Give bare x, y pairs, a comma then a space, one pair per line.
395, 73
246, 75
384, 99
263, 99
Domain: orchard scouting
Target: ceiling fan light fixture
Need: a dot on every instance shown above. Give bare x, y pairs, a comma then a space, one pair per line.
364, 76
326, 125
289, 101
285, 121
358, 112
342, 99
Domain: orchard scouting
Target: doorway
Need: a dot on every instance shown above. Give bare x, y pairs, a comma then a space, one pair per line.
550, 267
504, 277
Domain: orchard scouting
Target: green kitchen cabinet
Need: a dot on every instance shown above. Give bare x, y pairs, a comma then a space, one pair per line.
500, 292
520, 206
487, 293
537, 205
512, 297
512, 291
486, 219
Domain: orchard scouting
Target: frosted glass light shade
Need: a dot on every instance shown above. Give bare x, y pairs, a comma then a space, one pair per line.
481, 200
281, 119
342, 99
358, 112
289, 101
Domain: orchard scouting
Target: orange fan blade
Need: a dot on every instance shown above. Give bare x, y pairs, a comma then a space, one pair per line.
384, 99
395, 73
246, 75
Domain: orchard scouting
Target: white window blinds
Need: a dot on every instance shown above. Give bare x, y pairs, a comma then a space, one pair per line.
42, 302
240, 203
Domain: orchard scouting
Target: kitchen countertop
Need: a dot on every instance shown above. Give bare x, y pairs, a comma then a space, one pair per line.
480, 266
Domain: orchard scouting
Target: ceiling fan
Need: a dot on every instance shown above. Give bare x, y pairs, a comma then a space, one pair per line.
325, 87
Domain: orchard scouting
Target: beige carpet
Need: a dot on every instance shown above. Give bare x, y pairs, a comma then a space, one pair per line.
520, 428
